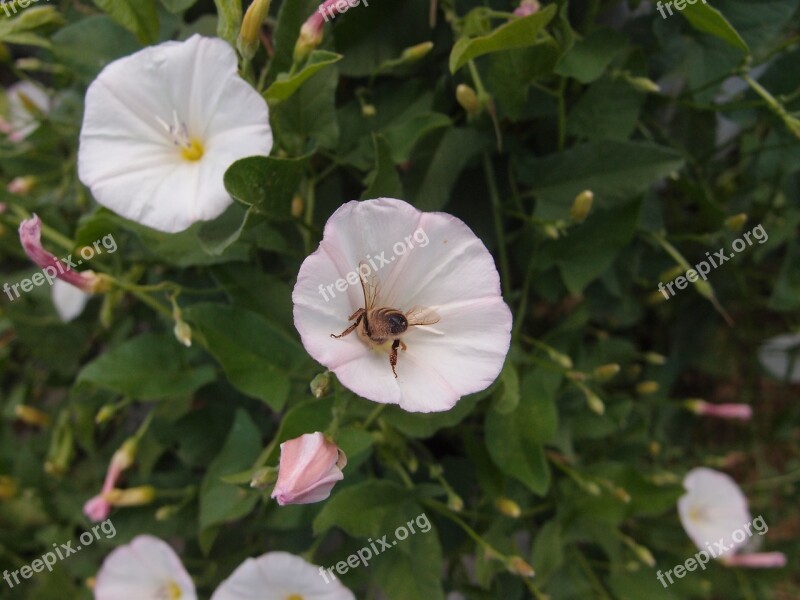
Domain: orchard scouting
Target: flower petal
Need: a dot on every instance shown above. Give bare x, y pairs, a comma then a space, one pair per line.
143, 569
68, 300
278, 576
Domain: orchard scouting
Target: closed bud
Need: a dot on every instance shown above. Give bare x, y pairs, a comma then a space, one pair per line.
263, 478
298, 207
368, 111
250, 33
654, 448
125, 455
581, 206
135, 496
468, 100
31, 416
606, 372
645, 388
416, 52
559, 358
641, 552
310, 465
165, 513
594, 402
183, 333
736, 222
5, 53
310, 37
654, 358
21, 186
61, 448
622, 495
643, 84
508, 507
106, 413
519, 567
551, 231
321, 385
454, 502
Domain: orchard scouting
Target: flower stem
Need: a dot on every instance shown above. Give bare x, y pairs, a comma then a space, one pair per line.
498, 224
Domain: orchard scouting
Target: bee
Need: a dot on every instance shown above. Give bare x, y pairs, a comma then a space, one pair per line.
381, 325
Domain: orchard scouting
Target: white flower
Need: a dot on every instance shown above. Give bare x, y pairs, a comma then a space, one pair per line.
68, 300
280, 576
25, 99
162, 126
716, 517
145, 569
780, 356
432, 261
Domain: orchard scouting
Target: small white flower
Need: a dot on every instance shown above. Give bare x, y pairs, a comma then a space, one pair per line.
25, 99
68, 300
432, 261
780, 356
162, 126
280, 576
145, 569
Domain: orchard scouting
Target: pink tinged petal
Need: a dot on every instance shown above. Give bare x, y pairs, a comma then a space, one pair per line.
30, 234
310, 466
97, 509
742, 412
68, 301
758, 560
278, 576
713, 507
144, 569
131, 163
448, 270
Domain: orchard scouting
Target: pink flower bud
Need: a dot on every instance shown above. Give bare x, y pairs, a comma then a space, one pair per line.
97, 509
30, 234
743, 412
758, 560
526, 8
310, 466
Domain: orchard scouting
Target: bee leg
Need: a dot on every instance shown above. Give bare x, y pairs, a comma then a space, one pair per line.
393, 356
358, 315
403, 347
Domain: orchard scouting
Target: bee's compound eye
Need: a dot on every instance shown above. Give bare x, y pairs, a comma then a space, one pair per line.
397, 323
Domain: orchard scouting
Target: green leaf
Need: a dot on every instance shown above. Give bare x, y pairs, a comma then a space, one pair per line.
590, 57
707, 19
286, 85
311, 116
403, 136
515, 439
548, 553
383, 181
147, 367
518, 33
257, 357
613, 171
220, 234
229, 20
221, 502
140, 17
88, 45
290, 17
177, 6
424, 425
266, 183
508, 396
608, 110
512, 71
413, 570
362, 510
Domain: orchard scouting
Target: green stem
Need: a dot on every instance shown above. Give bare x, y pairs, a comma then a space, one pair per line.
447, 513
562, 114
498, 224
374, 415
596, 584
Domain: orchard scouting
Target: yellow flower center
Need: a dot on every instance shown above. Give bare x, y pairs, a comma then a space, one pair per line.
295, 597
194, 151
173, 591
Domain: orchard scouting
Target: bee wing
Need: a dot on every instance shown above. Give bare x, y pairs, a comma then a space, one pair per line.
419, 315
370, 285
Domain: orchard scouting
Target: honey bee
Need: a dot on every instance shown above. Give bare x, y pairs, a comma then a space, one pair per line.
378, 326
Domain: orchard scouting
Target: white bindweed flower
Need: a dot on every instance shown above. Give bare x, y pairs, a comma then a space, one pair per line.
145, 569
280, 576
715, 515
430, 267
780, 356
68, 300
162, 126
26, 101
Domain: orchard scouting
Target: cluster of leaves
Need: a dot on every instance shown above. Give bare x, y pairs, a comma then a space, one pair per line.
564, 102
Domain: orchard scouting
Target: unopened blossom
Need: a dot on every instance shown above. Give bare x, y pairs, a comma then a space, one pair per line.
21, 186
714, 511
743, 412
281, 576
310, 466
30, 236
145, 569
162, 126
98, 508
429, 265
527, 7
68, 300
26, 103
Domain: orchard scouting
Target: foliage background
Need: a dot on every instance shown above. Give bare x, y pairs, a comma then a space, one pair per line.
572, 112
